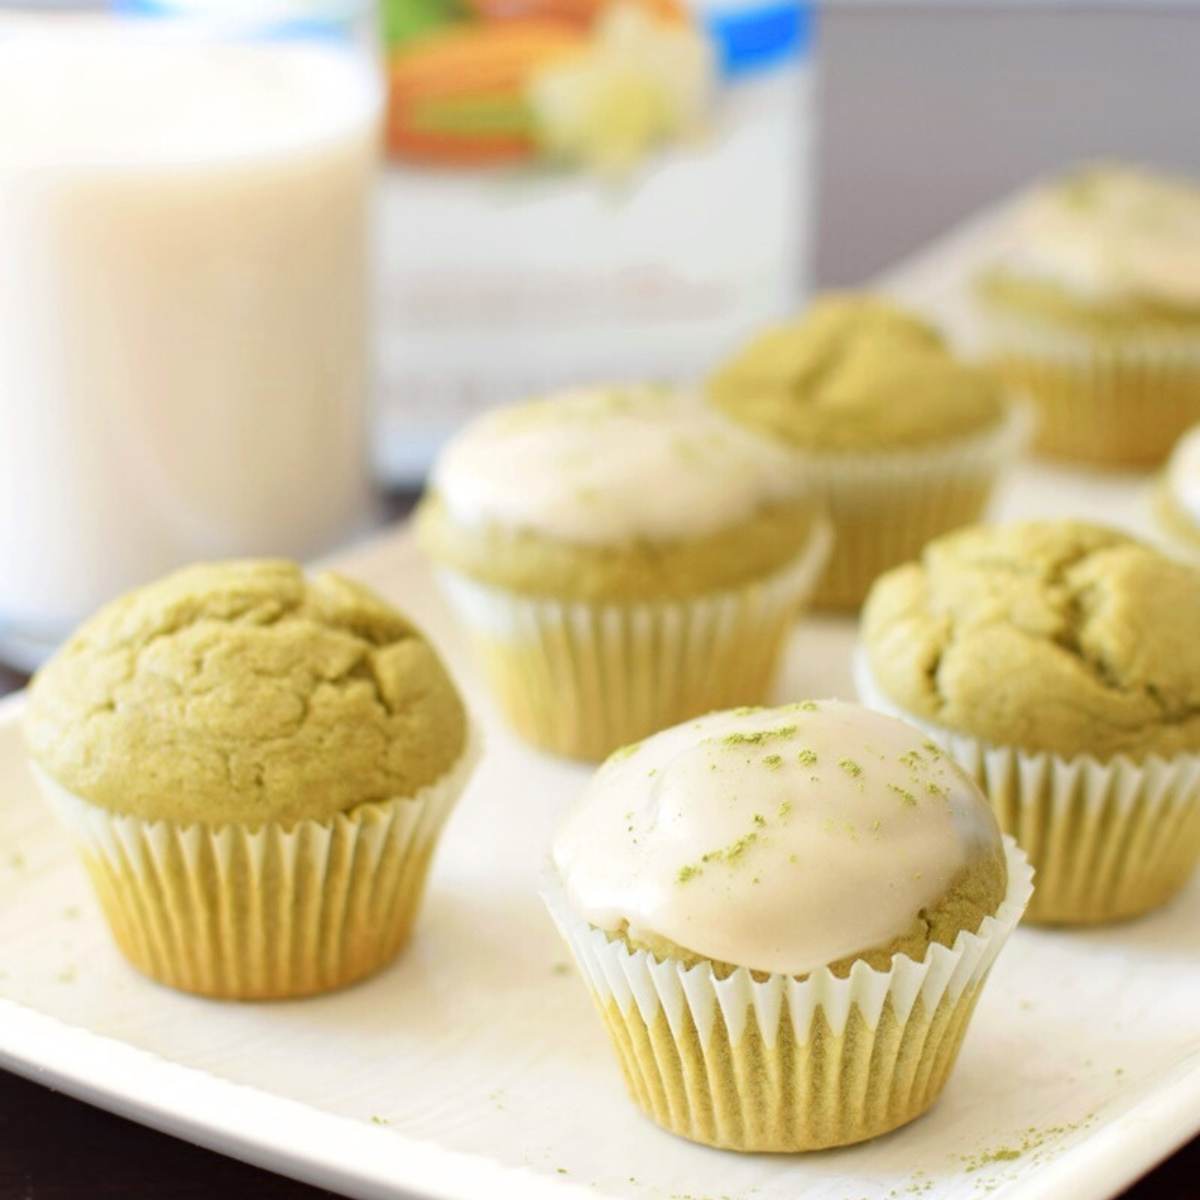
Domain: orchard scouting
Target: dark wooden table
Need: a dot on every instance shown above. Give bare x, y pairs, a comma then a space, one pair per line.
55, 1148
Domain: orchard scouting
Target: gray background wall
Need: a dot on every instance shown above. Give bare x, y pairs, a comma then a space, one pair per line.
931, 110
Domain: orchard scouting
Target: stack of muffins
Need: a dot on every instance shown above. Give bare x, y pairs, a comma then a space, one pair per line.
785, 914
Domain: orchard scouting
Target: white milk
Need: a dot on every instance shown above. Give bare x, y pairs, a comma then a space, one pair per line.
182, 310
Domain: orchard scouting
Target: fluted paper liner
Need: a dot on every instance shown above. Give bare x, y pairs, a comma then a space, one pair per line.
582, 679
262, 913
1109, 839
885, 506
1114, 399
759, 1061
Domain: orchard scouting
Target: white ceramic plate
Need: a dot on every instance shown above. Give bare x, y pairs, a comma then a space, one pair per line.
475, 1069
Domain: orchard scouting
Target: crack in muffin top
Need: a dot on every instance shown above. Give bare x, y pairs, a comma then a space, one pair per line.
1057, 636
243, 691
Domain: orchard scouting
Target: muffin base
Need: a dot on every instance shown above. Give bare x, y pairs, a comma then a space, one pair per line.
1117, 400
582, 679
885, 507
267, 913
1109, 840
758, 1062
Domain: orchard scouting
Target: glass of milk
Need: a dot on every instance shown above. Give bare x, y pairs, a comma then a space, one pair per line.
183, 349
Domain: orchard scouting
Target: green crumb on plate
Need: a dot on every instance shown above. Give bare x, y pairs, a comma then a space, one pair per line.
1003, 1154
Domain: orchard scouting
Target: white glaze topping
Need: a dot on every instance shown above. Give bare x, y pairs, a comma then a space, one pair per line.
778, 839
1110, 233
604, 465
1183, 474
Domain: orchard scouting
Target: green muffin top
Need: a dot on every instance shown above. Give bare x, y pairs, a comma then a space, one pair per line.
244, 692
855, 373
1054, 636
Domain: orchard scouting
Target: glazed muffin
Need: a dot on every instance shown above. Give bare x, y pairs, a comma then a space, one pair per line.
785, 917
1176, 497
1059, 662
1094, 312
255, 767
622, 558
899, 439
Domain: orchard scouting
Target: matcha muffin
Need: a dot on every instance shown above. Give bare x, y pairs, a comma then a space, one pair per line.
622, 557
255, 766
1059, 662
1094, 312
899, 439
785, 917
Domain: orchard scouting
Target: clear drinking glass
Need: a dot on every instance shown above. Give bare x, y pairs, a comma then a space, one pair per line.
183, 305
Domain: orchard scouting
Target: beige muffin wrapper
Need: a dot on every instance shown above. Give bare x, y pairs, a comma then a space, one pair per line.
1113, 400
770, 1062
886, 506
582, 679
266, 913
1109, 840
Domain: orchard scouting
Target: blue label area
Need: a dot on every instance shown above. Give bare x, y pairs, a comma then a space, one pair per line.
750, 40
296, 27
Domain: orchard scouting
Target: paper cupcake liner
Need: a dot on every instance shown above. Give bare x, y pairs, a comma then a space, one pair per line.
1109, 840
769, 1062
886, 506
265, 913
1112, 399
582, 679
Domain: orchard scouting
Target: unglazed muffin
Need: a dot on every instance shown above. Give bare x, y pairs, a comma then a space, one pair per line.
899, 439
1094, 312
1059, 662
622, 558
785, 917
255, 766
